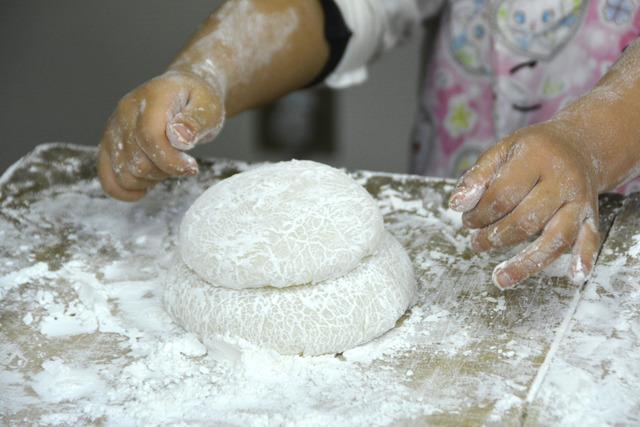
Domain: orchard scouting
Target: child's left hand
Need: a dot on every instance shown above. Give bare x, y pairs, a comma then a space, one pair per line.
546, 178
537, 180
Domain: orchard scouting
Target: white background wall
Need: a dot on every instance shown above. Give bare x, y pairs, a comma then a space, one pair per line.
65, 63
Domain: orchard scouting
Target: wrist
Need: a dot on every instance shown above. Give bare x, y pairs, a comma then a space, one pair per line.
598, 125
567, 129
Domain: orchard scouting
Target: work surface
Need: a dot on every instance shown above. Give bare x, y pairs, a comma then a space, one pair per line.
84, 339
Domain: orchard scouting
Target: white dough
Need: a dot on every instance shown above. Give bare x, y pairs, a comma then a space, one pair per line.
329, 317
279, 225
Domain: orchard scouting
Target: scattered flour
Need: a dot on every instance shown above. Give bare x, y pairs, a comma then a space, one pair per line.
634, 251
95, 344
58, 382
84, 338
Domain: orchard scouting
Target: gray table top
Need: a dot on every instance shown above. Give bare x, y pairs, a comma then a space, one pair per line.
80, 304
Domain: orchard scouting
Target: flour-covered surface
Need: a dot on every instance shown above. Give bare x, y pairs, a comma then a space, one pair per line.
594, 378
84, 338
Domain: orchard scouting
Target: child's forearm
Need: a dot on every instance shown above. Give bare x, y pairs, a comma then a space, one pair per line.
606, 122
253, 51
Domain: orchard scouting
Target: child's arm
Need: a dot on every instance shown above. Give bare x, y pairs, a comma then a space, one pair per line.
247, 53
546, 178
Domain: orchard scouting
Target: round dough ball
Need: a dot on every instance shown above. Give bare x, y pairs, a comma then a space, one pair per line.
283, 224
329, 317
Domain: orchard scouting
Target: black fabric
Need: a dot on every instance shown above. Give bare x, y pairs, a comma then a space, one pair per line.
337, 35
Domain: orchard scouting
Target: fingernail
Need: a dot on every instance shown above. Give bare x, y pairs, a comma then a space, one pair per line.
181, 136
501, 278
465, 198
454, 200
192, 165
579, 272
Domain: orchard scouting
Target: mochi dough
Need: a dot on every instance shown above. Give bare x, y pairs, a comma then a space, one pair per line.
328, 317
283, 224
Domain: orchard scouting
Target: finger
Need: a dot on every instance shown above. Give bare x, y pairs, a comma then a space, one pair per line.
124, 156
557, 237
108, 181
130, 182
128, 161
511, 185
141, 166
527, 219
585, 252
198, 120
113, 143
152, 139
474, 182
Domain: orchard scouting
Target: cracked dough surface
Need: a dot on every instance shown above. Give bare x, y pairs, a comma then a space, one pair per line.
279, 225
328, 317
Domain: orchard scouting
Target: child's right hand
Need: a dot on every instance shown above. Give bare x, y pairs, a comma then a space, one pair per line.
152, 126
230, 65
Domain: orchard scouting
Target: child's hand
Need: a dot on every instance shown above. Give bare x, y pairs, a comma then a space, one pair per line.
230, 65
546, 178
145, 137
537, 180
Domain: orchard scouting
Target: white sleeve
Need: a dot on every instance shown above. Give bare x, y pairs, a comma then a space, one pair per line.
377, 25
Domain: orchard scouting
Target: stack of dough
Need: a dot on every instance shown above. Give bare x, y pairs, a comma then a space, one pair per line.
292, 256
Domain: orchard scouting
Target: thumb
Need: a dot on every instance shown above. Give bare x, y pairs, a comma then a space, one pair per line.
199, 118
